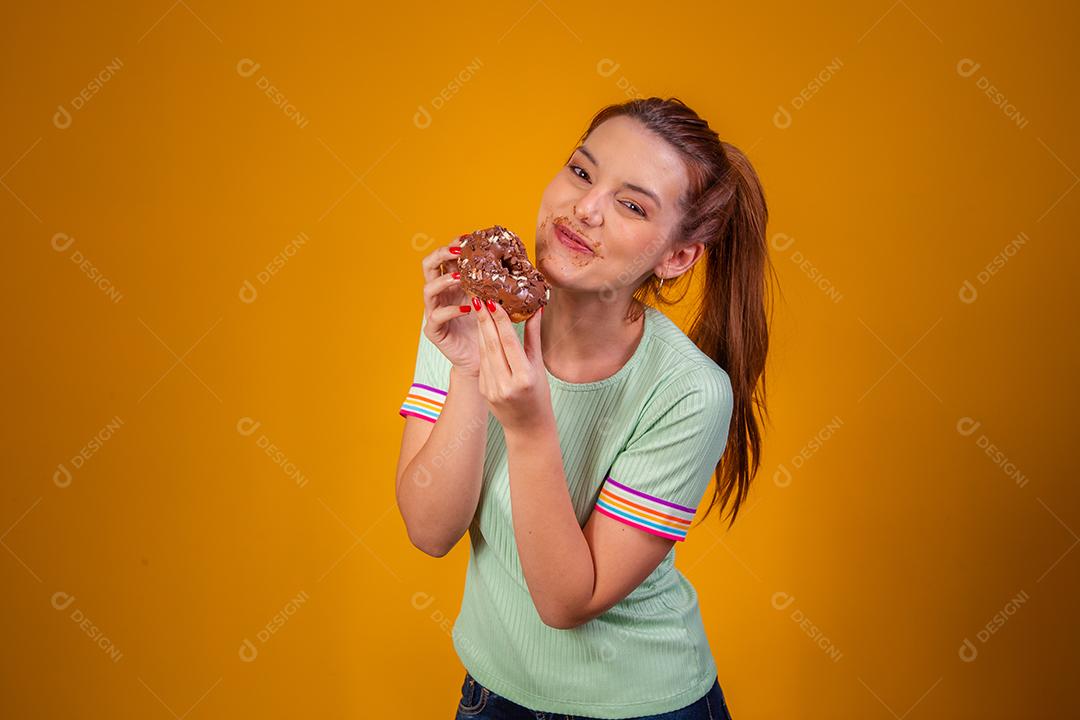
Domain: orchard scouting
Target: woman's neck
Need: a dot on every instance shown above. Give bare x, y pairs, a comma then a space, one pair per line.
587, 337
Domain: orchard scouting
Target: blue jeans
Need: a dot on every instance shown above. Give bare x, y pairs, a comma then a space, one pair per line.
478, 701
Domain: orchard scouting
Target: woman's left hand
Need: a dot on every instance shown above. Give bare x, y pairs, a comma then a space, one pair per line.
513, 377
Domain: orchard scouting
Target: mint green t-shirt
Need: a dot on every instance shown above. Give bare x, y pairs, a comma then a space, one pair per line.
641, 447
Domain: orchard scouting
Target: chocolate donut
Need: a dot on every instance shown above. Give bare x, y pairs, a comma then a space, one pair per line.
495, 266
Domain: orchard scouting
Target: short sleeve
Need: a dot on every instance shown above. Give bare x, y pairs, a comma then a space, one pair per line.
657, 481
431, 381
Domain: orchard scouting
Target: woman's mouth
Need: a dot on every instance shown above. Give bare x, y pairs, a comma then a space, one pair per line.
571, 241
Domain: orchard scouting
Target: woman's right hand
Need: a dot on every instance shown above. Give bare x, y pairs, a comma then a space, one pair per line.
448, 325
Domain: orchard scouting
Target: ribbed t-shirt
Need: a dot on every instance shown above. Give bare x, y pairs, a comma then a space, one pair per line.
639, 446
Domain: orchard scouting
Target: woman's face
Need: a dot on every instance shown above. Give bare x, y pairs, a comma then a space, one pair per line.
619, 193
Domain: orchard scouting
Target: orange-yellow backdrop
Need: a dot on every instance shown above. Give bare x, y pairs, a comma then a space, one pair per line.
217, 217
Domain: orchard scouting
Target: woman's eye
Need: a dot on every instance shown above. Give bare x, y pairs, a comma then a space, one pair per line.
580, 172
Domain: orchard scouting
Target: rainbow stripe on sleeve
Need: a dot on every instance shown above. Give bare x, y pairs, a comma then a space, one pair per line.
423, 401
644, 511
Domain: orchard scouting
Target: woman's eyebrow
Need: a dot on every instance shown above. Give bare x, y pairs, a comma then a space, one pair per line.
631, 186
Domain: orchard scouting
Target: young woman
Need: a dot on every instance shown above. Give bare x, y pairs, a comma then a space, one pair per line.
575, 447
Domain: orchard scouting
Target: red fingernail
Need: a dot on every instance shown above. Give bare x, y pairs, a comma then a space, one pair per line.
464, 308
455, 251
456, 275
491, 306
476, 303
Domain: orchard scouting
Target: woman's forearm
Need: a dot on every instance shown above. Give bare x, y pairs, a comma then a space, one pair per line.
555, 556
438, 491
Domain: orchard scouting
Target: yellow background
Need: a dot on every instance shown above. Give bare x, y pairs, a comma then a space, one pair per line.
895, 537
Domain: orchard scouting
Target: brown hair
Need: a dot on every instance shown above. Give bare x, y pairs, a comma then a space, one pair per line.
725, 209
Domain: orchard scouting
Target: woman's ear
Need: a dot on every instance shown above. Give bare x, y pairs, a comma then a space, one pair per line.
681, 260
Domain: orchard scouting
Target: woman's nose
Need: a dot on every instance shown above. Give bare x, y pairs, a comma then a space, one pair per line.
585, 213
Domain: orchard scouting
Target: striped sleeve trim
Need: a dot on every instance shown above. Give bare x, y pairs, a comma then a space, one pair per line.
424, 402
644, 511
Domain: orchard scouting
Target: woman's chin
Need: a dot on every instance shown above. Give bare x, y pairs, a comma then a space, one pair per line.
558, 261
555, 271
564, 280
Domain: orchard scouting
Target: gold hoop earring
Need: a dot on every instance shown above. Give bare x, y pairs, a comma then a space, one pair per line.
661, 286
